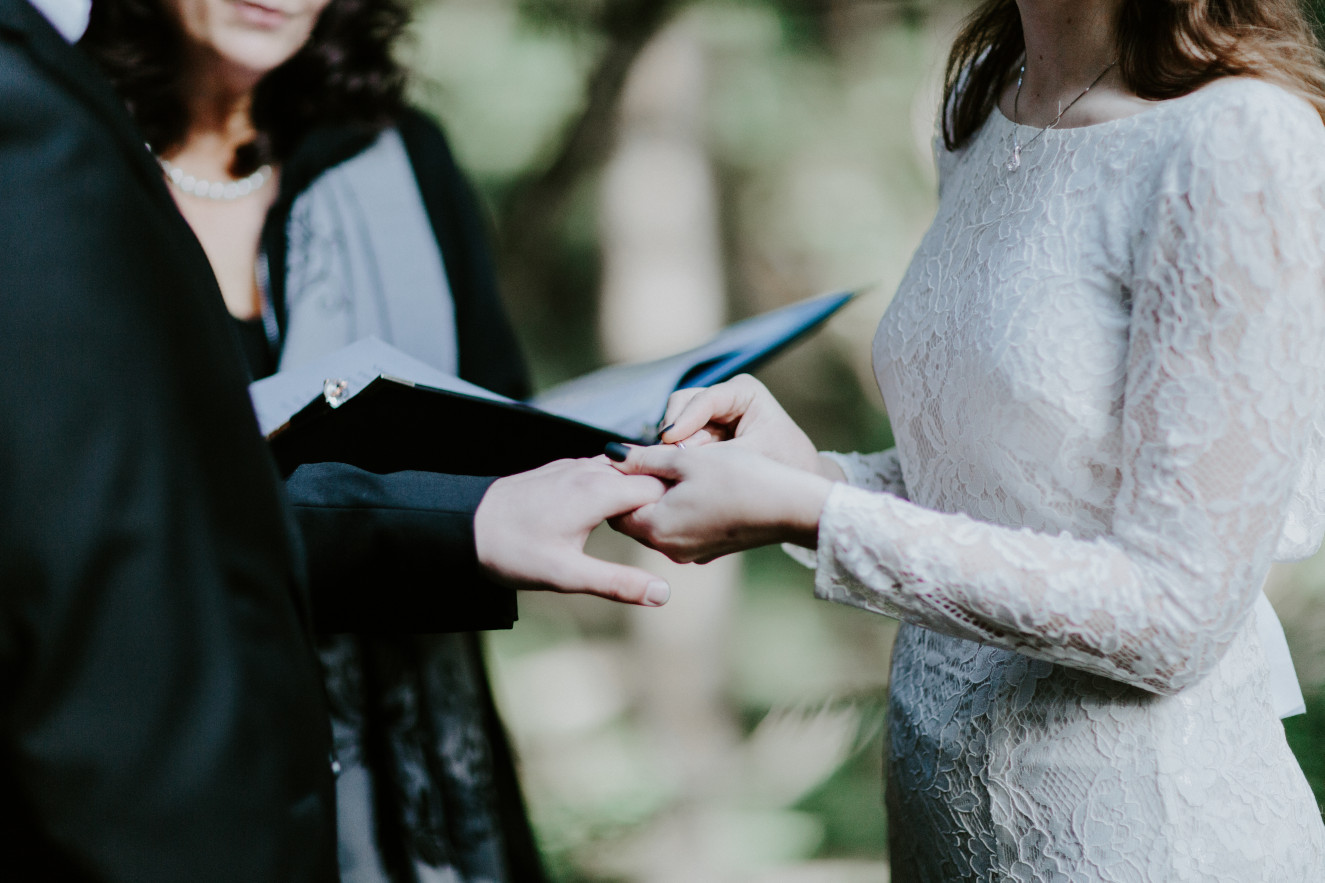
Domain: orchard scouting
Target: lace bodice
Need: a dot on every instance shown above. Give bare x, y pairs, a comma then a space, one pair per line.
1106, 377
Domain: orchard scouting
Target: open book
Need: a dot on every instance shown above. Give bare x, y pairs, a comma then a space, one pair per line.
375, 407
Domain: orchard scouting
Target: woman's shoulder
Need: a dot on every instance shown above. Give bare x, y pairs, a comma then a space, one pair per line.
1241, 128
332, 146
424, 136
1250, 111
417, 122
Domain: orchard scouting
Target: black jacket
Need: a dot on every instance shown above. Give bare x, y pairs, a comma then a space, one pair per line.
161, 716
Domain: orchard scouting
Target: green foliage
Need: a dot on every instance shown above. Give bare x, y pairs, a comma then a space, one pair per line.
1316, 11
850, 805
1306, 736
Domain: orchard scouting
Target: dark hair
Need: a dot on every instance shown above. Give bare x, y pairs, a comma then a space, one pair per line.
1166, 48
345, 73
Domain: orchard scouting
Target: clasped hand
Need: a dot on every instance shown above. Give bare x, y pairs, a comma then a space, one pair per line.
743, 475
739, 473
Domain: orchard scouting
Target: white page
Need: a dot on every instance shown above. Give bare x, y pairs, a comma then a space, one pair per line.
627, 399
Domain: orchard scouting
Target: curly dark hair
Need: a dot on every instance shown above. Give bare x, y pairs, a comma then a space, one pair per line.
345, 73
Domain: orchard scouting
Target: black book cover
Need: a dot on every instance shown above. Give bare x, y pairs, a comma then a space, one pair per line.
392, 425
369, 416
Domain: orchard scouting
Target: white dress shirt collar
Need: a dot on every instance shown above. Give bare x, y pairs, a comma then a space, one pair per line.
69, 17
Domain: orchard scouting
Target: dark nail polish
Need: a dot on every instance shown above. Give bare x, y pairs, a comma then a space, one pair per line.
616, 451
666, 429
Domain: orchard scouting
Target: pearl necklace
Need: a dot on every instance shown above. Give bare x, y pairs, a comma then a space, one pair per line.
222, 191
1014, 161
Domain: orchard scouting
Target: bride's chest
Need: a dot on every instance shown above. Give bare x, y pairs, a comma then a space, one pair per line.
1013, 313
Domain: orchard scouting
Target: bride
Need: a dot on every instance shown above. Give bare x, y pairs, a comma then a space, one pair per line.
1104, 372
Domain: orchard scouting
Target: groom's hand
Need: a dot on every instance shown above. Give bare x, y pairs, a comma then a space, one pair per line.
530, 529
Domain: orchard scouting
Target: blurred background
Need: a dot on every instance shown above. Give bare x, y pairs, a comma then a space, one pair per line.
655, 169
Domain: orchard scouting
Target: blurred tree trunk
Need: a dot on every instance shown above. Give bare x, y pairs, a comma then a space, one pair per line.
662, 285
663, 290
530, 219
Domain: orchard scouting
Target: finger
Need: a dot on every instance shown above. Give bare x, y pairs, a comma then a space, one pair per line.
698, 440
659, 461
676, 403
625, 492
704, 407
586, 575
725, 403
634, 524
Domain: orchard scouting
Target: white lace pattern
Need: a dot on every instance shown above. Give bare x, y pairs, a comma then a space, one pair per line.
1106, 377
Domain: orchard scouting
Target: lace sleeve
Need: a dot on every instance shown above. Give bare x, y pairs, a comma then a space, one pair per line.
1224, 380
873, 472
881, 472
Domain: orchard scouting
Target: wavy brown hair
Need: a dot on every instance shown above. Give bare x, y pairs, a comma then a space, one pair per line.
345, 73
1166, 48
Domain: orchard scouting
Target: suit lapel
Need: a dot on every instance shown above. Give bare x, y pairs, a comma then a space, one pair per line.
72, 68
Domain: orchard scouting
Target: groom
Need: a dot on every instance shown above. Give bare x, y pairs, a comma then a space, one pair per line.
160, 708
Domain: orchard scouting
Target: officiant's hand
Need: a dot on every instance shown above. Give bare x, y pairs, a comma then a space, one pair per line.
744, 411
721, 498
530, 529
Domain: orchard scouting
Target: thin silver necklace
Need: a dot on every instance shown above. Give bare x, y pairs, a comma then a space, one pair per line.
1014, 161
222, 191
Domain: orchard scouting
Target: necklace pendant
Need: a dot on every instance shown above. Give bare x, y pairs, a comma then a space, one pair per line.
1015, 162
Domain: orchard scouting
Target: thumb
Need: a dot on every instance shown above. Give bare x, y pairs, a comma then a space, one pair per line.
586, 575
724, 403
660, 461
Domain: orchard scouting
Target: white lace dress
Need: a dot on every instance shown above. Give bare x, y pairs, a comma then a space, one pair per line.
1106, 377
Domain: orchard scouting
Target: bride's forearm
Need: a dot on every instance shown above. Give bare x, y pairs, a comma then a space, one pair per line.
803, 499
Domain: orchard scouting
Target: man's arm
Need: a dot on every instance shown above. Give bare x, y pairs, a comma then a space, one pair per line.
421, 551
395, 553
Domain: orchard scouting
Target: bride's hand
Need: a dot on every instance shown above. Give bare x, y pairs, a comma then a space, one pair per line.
742, 410
723, 498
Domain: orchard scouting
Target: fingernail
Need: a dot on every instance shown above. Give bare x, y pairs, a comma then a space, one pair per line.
666, 429
657, 593
616, 451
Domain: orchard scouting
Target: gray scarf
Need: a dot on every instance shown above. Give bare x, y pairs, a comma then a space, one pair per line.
363, 262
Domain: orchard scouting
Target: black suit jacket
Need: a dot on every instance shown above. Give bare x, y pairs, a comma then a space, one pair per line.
160, 711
